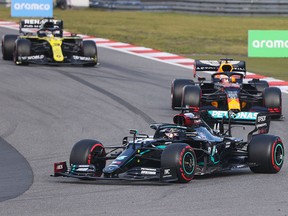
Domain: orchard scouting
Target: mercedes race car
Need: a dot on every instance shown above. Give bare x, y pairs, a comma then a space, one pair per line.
41, 41
227, 91
176, 152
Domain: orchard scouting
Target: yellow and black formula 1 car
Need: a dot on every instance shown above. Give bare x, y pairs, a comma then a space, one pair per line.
227, 91
41, 41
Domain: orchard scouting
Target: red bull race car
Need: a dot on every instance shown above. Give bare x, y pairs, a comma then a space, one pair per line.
227, 91
176, 152
41, 41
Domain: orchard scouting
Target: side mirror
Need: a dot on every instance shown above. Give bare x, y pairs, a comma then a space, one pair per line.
133, 131
125, 141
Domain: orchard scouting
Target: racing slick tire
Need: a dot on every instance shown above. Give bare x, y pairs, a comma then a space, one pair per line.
191, 96
8, 43
177, 91
89, 49
260, 85
272, 98
22, 48
86, 152
266, 152
181, 157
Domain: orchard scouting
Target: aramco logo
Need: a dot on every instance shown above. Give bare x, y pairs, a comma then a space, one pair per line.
268, 43
32, 6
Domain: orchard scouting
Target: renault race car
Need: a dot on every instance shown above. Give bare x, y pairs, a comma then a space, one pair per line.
176, 152
41, 41
227, 91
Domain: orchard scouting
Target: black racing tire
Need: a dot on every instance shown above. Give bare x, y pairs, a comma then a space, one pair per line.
266, 152
181, 157
177, 91
89, 49
272, 97
22, 48
8, 43
87, 152
260, 85
191, 96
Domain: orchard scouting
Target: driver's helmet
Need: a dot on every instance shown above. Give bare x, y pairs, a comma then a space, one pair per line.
172, 133
46, 25
224, 79
48, 33
47, 28
233, 79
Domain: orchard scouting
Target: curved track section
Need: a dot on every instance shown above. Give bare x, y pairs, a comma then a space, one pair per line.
16, 173
45, 110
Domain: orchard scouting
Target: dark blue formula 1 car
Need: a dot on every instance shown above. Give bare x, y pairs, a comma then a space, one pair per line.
227, 91
176, 152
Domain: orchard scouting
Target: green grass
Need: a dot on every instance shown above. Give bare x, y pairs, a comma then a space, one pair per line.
194, 36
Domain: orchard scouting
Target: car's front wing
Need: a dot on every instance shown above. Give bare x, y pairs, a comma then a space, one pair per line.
88, 172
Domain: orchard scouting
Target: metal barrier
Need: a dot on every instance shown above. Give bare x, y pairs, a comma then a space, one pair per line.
3, 2
236, 7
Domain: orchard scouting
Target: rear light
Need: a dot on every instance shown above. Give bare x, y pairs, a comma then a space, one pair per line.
274, 110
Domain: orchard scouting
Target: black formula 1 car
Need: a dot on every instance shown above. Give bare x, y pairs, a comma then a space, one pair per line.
176, 152
227, 91
41, 41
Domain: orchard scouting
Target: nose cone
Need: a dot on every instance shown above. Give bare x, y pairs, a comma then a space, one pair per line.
110, 169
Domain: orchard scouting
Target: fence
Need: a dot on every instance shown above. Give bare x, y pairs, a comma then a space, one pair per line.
236, 7
229, 7
4, 2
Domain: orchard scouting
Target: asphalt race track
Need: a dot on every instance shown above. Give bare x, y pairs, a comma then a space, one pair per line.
45, 110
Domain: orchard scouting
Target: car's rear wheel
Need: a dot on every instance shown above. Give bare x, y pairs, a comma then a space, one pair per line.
181, 157
89, 49
191, 96
8, 43
265, 154
272, 98
87, 152
22, 48
259, 85
177, 91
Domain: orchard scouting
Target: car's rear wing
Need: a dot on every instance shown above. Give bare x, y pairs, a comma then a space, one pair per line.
26, 24
241, 117
262, 125
224, 65
215, 118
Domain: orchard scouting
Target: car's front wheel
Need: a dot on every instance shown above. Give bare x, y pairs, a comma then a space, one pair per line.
22, 49
87, 152
8, 43
181, 157
89, 49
